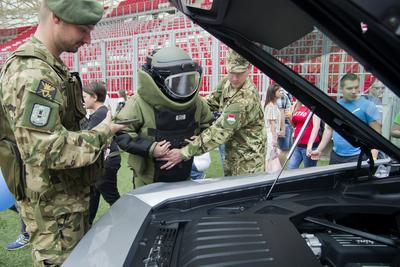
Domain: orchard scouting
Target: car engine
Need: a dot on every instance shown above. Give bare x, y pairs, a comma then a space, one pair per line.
291, 231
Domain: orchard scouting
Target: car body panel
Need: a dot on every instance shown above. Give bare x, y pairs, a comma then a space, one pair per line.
109, 242
111, 239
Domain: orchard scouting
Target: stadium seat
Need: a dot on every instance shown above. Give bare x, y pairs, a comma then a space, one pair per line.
126, 21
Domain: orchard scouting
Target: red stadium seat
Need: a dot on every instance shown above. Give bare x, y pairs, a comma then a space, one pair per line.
333, 68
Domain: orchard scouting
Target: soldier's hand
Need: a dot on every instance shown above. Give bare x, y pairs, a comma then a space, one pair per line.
113, 127
173, 157
116, 127
161, 149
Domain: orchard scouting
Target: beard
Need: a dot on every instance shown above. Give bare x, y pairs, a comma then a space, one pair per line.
72, 48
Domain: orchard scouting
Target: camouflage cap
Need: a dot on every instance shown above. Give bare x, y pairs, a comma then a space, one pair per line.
236, 63
80, 12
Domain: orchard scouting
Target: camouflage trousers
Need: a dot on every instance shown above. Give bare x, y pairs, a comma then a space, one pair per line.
55, 226
235, 166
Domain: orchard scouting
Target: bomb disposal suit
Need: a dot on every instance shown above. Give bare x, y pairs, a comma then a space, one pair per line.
167, 106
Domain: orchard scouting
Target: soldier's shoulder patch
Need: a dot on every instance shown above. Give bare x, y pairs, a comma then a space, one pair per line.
46, 90
231, 118
40, 115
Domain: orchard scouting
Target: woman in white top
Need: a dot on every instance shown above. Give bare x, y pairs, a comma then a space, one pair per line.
272, 123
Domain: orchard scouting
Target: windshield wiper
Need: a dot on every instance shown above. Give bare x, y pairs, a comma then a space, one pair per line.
335, 226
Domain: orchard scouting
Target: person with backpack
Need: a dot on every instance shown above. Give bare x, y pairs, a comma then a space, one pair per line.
48, 162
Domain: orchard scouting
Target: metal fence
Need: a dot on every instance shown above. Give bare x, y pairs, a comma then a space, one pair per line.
116, 60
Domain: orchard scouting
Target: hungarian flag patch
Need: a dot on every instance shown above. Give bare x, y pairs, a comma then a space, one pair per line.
231, 118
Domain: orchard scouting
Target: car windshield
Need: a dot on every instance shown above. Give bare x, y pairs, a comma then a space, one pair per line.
323, 63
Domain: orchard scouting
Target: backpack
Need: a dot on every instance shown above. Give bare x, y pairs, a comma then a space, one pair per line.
11, 163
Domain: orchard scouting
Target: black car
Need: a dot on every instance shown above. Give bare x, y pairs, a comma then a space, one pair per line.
337, 215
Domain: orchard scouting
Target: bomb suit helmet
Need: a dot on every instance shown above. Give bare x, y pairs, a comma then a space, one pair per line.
175, 73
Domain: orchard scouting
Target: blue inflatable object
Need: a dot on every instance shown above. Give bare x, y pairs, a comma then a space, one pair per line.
6, 198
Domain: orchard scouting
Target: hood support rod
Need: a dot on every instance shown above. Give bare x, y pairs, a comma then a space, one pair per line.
291, 151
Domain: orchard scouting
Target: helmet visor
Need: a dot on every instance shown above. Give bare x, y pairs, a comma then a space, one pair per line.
183, 84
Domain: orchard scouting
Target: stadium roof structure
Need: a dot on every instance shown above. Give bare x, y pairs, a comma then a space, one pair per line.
17, 13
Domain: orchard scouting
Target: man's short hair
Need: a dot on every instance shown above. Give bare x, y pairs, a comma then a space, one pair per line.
348, 77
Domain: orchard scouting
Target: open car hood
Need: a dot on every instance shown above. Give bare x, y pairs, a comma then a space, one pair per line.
231, 221
243, 25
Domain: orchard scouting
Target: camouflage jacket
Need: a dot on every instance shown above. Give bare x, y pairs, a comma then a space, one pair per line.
34, 88
240, 127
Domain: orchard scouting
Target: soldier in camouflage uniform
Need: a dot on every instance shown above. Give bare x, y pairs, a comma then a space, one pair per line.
240, 126
41, 107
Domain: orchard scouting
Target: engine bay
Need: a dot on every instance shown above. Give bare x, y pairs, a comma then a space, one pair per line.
313, 229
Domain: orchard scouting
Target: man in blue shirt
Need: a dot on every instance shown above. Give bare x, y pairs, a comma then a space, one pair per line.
362, 108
